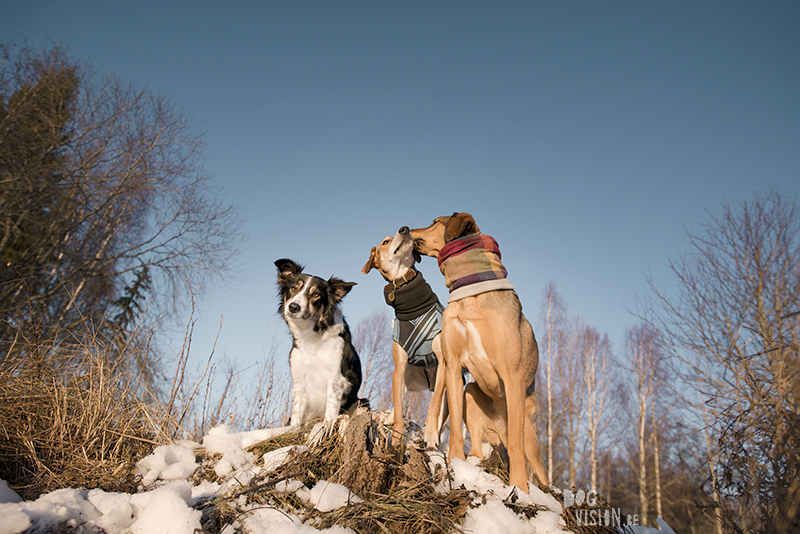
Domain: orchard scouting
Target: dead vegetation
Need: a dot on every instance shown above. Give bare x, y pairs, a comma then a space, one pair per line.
71, 421
79, 412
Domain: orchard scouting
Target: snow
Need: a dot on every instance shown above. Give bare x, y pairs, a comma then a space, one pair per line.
14, 520
168, 462
233, 446
276, 458
273, 521
471, 477
495, 517
326, 496
164, 502
165, 510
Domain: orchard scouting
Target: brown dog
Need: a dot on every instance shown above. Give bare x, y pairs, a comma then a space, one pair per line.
416, 325
484, 330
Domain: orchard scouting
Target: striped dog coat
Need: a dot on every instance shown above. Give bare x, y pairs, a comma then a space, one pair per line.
418, 318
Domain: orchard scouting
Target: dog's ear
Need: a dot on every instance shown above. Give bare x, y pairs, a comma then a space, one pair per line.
339, 287
459, 225
287, 268
370, 262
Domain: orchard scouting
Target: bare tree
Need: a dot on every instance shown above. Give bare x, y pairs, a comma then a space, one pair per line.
710, 457
734, 325
597, 380
643, 352
657, 465
553, 313
104, 202
571, 368
372, 338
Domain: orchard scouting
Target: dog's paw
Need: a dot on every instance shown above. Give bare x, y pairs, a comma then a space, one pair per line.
318, 431
432, 444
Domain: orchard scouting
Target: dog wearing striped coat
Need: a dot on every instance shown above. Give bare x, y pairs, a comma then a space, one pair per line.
415, 332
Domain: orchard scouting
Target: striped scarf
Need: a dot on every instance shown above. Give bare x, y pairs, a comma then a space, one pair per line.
469, 260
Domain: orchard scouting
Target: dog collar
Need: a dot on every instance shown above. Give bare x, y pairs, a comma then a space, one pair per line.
400, 282
412, 299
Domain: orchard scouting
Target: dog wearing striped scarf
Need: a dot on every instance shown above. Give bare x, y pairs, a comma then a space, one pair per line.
485, 331
415, 332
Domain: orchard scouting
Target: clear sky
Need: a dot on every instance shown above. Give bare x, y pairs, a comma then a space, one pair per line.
584, 136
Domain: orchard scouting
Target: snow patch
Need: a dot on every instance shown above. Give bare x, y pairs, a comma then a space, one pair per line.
262, 520
275, 459
167, 462
494, 517
326, 496
165, 510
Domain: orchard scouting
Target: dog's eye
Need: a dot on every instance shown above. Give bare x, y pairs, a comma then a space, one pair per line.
315, 295
385, 241
297, 286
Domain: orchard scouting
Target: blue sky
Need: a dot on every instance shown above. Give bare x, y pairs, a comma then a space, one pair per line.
584, 136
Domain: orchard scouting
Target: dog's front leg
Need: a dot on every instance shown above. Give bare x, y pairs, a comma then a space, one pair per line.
398, 390
453, 343
515, 402
299, 405
437, 408
455, 399
333, 406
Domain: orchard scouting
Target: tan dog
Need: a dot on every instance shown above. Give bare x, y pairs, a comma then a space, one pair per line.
486, 333
411, 297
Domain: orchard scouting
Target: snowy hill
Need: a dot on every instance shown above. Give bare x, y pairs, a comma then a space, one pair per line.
287, 481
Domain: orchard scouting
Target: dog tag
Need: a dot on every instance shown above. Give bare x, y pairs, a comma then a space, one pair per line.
391, 296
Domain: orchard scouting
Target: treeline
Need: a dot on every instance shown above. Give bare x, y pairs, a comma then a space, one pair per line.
696, 418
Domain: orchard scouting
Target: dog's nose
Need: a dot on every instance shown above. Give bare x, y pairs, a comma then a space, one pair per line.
294, 307
404, 230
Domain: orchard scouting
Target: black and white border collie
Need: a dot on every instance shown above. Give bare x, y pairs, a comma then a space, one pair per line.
326, 371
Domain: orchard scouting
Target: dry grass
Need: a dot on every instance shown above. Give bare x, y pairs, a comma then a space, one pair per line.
81, 412
72, 420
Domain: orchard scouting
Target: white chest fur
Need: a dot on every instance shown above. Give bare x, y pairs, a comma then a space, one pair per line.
318, 386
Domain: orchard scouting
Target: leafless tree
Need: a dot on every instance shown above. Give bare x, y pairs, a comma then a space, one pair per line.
711, 459
597, 381
570, 369
372, 338
734, 325
552, 316
644, 354
105, 206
